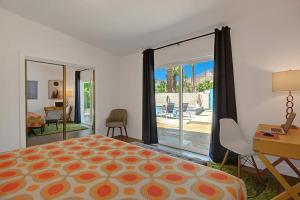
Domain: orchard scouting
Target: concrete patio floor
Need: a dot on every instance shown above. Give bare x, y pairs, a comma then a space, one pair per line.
196, 132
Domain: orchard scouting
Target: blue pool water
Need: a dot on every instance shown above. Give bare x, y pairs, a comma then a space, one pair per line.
158, 109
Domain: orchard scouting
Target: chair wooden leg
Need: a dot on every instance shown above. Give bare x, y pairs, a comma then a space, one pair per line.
293, 167
224, 159
31, 131
113, 132
257, 170
121, 130
239, 166
56, 126
125, 131
108, 131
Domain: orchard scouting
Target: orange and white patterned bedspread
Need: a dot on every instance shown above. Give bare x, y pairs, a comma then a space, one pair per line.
97, 167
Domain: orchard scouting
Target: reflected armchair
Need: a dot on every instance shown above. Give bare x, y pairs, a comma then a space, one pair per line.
117, 119
53, 117
34, 121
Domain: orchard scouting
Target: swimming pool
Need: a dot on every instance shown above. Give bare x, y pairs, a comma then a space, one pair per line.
158, 109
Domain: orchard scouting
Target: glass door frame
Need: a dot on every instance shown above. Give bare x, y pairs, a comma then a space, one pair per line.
180, 130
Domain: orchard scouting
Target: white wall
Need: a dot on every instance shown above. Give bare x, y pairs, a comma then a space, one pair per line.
262, 44
265, 43
21, 37
131, 92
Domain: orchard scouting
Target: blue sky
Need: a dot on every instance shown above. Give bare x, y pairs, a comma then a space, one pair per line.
161, 73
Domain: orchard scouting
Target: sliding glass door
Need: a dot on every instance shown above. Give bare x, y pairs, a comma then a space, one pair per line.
167, 104
184, 105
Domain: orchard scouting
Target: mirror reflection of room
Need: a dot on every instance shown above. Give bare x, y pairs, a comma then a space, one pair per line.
45, 111
79, 102
44, 103
86, 95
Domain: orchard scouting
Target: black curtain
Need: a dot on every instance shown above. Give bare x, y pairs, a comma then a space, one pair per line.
224, 92
77, 117
149, 113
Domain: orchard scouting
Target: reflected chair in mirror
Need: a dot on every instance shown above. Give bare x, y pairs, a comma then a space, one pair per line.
68, 113
34, 121
233, 140
117, 119
53, 117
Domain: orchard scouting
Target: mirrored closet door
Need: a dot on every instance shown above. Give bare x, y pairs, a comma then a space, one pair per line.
60, 102
79, 102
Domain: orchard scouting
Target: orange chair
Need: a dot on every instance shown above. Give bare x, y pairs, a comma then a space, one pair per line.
34, 120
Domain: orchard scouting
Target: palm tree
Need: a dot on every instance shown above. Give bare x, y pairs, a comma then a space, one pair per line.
175, 73
169, 79
193, 77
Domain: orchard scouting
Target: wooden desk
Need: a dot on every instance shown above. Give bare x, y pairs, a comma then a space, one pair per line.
286, 147
47, 109
60, 109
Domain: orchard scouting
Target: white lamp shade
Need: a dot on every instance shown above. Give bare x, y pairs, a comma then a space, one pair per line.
286, 80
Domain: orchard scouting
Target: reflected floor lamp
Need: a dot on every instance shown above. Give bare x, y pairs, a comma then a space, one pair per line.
287, 81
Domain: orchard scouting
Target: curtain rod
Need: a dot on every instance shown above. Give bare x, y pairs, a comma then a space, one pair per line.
182, 41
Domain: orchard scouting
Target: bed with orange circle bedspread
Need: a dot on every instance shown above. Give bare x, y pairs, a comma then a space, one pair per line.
97, 167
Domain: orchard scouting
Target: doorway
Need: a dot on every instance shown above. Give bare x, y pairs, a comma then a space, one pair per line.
50, 102
184, 102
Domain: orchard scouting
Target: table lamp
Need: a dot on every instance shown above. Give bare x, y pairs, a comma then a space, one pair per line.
287, 81
69, 94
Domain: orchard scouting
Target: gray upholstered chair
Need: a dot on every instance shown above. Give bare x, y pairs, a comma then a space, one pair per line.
117, 119
53, 117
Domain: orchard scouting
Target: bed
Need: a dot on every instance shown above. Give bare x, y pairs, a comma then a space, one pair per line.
98, 167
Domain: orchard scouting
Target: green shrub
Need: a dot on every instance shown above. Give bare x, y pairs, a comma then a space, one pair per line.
161, 87
205, 85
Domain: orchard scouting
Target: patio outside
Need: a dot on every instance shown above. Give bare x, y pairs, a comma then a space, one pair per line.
197, 102
86, 96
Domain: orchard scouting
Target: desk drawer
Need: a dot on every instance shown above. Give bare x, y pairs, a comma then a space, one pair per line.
284, 150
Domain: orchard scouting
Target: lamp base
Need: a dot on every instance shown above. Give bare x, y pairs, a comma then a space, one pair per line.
291, 127
289, 105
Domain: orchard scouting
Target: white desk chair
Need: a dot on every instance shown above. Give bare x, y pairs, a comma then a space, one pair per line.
233, 140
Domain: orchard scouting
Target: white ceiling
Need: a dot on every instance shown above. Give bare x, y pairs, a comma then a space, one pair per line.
125, 26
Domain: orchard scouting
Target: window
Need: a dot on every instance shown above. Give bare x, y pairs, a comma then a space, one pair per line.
32, 90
